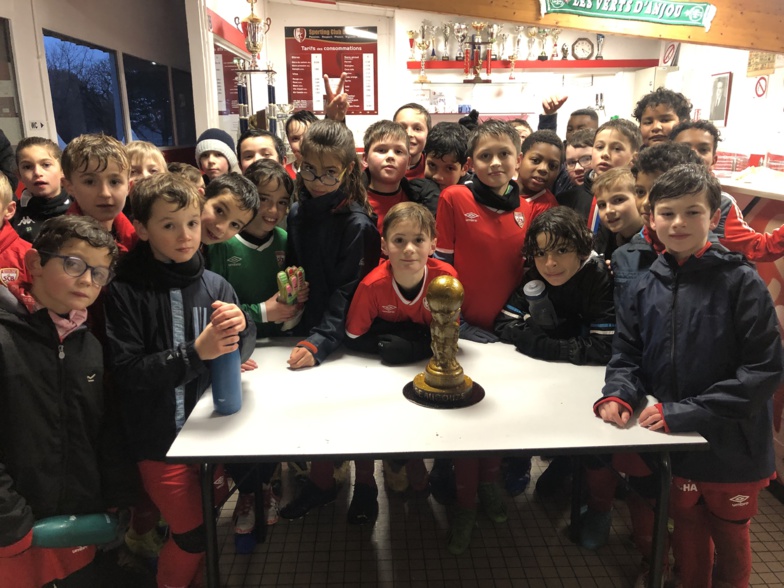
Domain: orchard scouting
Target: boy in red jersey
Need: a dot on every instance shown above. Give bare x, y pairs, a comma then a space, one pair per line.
12, 246
481, 227
388, 317
542, 154
97, 174
415, 119
386, 157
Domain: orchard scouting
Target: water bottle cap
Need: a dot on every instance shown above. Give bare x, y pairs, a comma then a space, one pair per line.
533, 289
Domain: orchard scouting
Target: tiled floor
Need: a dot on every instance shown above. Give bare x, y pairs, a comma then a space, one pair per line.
406, 548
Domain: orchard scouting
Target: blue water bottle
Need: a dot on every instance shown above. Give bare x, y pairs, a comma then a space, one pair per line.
226, 383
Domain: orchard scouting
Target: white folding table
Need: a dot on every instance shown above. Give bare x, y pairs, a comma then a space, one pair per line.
353, 406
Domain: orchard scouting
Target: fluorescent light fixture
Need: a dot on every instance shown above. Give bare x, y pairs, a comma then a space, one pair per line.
360, 33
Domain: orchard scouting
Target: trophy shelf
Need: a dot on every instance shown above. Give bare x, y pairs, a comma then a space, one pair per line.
549, 65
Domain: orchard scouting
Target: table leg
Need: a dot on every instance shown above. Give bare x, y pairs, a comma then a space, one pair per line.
577, 491
664, 475
207, 472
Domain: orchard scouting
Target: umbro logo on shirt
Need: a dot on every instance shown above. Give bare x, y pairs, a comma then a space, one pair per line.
234, 260
389, 308
471, 217
739, 500
91, 378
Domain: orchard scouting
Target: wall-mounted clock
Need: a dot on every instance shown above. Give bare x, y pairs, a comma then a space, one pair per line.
582, 48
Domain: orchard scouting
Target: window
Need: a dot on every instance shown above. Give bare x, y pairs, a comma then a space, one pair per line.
10, 118
183, 107
149, 104
85, 92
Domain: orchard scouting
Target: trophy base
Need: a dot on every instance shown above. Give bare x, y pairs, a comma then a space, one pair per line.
475, 395
599, 57
477, 80
542, 58
446, 58
422, 79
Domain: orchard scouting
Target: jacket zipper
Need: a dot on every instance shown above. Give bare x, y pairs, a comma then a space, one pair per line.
63, 419
673, 377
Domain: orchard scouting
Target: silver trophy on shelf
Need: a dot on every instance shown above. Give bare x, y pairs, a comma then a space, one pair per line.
253, 28
430, 31
446, 30
532, 32
492, 36
599, 46
542, 34
555, 33
502, 39
461, 35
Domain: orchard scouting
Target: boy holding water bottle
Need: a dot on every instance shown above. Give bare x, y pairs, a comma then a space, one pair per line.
167, 320
52, 396
563, 309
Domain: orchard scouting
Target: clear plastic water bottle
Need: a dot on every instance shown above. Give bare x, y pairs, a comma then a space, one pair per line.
226, 382
539, 305
75, 530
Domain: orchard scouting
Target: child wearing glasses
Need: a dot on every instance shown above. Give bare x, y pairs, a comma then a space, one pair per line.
166, 319
331, 235
52, 396
578, 153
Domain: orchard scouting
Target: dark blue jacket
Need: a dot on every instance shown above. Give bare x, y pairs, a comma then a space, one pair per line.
160, 381
703, 339
629, 262
337, 244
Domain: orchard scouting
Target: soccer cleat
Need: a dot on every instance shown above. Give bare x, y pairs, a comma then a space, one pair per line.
271, 504
492, 503
461, 530
309, 498
364, 505
244, 516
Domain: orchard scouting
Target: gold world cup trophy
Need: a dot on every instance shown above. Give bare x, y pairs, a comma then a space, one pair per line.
443, 384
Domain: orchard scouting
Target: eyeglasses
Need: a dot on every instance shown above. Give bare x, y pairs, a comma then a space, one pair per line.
76, 266
328, 179
584, 162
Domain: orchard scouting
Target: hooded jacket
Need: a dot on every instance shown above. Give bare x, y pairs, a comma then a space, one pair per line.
154, 313
337, 244
703, 339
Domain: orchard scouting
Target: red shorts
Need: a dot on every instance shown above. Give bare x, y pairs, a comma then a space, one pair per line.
728, 501
37, 566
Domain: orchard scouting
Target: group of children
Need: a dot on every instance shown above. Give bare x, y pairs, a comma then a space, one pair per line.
506, 209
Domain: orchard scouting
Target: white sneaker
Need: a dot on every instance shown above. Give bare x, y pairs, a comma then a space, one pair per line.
271, 504
244, 517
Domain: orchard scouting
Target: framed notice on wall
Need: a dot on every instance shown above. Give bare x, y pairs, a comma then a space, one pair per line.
312, 52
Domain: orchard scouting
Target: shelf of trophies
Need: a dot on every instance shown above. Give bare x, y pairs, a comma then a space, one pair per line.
560, 65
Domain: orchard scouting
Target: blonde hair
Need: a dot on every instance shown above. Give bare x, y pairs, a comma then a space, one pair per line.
138, 151
101, 149
6, 193
412, 212
618, 178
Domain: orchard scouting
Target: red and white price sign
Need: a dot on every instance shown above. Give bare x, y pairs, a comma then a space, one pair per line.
761, 86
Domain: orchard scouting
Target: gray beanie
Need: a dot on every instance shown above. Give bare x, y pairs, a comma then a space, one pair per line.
220, 141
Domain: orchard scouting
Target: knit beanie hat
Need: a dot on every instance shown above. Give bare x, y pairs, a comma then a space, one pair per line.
220, 141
